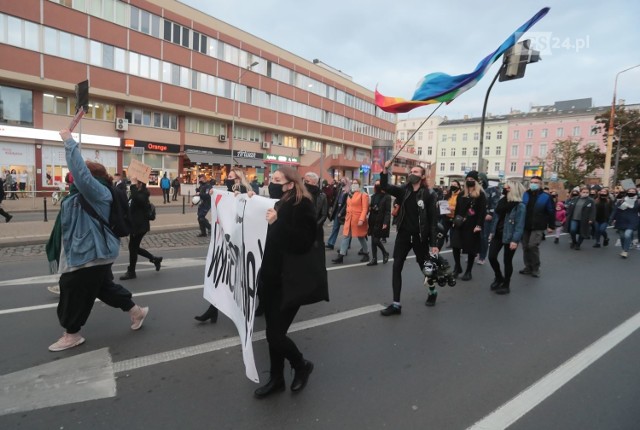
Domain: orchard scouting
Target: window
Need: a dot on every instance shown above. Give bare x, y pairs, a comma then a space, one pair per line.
543, 150
544, 133
527, 150
475, 151
464, 152
147, 118
498, 150
499, 135
576, 131
464, 136
476, 136
443, 152
487, 135
516, 134
454, 137
453, 152
560, 132
17, 106
487, 150
442, 167
429, 150
419, 150
513, 167
474, 165
452, 167
514, 151
444, 137
529, 134
419, 135
463, 166
496, 167
430, 135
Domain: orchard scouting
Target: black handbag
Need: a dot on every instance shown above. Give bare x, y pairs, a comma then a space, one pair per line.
304, 278
458, 220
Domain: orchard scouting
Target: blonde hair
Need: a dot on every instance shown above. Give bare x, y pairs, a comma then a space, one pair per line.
240, 175
517, 191
475, 192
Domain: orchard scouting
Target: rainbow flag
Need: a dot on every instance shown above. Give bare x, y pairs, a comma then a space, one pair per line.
440, 87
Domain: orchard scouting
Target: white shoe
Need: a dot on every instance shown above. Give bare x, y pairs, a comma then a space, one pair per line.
55, 289
624, 254
138, 315
67, 341
617, 243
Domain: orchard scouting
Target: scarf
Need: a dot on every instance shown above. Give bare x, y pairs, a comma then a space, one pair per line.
54, 244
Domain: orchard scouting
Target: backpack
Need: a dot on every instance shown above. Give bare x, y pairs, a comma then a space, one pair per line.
119, 224
151, 212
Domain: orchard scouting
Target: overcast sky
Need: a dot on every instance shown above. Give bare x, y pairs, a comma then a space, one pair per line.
584, 43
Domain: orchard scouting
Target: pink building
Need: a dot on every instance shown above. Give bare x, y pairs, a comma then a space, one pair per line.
531, 135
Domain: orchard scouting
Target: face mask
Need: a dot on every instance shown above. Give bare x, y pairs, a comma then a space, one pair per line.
313, 189
229, 184
534, 187
355, 188
575, 194
454, 189
632, 195
603, 196
505, 192
414, 179
620, 195
470, 184
275, 190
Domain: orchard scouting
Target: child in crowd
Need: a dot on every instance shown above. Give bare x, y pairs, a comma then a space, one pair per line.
561, 217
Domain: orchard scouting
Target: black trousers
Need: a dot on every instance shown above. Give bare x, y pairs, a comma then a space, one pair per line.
205, 225
278, 322
405, 242
494, 249
375, 244
80, 289
135, 250
165, 195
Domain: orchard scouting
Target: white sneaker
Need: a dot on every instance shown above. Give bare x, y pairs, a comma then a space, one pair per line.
55, 289
617, 243
67, 341
138, 315
624, 254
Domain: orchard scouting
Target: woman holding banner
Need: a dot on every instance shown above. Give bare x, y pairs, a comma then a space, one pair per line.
291, 232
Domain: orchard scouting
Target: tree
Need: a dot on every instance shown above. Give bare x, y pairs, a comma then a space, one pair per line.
574, 161
628, 141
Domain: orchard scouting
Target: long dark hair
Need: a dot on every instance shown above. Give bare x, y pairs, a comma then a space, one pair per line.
299, 190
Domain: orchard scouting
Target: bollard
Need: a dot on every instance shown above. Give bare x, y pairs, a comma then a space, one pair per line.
44, 199
183, 205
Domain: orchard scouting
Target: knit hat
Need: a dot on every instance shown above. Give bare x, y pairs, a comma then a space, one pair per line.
473, 174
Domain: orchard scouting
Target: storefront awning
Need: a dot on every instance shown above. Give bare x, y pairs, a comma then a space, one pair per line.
208, 158
249, 162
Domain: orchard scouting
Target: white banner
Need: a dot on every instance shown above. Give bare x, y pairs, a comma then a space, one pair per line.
238, 234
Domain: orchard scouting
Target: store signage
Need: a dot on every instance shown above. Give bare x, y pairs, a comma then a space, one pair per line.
281, 159
530, 171
32, 133
247, 154
151, 146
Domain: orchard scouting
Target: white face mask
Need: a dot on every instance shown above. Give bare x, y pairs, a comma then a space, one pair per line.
355, 187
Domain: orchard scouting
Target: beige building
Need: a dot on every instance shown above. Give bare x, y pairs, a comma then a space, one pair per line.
423, 143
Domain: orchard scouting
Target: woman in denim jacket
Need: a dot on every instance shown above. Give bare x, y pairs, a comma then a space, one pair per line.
506, 230
84, 250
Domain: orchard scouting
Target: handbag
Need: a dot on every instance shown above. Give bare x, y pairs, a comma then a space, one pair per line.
304, 279
151, 212
458, 220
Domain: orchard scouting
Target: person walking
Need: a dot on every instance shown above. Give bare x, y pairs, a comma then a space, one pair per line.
625, 219
7, 216
292, 230
338, 212
311, 181
175, 184
604, 209
451, 197
493, 195
417, 222
355, 224
561, 219
84, 252
204, 205
165, 184
379, 223
139, 206
540, 216
468, 222
507, 228
581, 213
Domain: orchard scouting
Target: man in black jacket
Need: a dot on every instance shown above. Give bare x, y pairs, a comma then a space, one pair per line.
311, 181
417, 229
7, 216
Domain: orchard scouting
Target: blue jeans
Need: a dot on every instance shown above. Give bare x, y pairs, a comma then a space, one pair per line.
335, 230
626, 236
344, 245
574, 230
601, 230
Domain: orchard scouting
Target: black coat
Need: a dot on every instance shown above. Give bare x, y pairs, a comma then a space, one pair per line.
474, 210
139, 207
379, 215
293, 232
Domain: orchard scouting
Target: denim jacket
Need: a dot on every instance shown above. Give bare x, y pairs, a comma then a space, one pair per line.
84, 240
513, 226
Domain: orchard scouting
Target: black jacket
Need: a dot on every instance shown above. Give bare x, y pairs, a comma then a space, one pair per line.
320, 203
139, 207
427, 214
379, 215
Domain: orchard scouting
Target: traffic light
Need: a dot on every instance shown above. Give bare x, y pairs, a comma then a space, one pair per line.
515, 60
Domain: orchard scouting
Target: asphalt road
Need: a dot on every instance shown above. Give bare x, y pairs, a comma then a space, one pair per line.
446, 367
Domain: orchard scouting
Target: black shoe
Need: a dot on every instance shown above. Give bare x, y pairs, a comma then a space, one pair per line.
301, 376
385, 258
329, 246
457, 271
391, 310
431, 299
361, 252
503, 289
466, 277
365, 257
8, 218
596, 245
275, 385
556, 240
128, 275
373, 262
535, 273
210, 314
202, 235
157, 261
497, 283
525, 272
572, 245
577, 247
605, 243
338, 260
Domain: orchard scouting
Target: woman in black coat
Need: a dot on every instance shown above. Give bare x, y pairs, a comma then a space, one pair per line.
379, 221
139, 210
292, 230
471, 208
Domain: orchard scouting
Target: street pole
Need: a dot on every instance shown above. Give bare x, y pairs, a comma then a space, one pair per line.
484, 111
606, 179
241, 73
615, 174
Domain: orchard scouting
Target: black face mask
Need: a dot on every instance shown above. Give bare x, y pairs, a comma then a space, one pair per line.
229, 184
631, 195
575, 194
505, 191
275, 191
453, 189
313, 189
470, 184
604, 196
414, 179
620, 195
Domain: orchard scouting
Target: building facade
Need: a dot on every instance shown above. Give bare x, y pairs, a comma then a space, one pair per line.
424, 141
193, 93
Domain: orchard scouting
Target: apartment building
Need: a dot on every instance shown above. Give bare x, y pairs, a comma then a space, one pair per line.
423, 142
193, 93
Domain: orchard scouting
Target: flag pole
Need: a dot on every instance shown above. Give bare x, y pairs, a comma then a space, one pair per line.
416, 130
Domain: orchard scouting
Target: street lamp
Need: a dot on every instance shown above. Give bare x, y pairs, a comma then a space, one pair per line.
615, 175
241, 73
607, 160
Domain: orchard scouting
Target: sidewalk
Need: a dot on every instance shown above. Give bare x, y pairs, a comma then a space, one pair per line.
16, 233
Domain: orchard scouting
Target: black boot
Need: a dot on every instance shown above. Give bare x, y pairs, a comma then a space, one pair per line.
372, 262
503, 288
467, 273
385, 257
211, 313
130, 274
275, 385
157, 261
6, 216
431, 299
301, 375
338, 259
365, 257
496, 283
